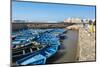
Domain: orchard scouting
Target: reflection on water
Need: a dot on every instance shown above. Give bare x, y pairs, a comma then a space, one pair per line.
68, 50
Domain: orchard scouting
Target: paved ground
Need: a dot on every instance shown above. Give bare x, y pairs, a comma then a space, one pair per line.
86, 45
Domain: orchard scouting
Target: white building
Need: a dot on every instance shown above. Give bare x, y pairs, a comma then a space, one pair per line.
73, 20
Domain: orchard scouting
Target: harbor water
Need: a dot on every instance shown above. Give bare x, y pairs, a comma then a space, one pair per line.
68, 49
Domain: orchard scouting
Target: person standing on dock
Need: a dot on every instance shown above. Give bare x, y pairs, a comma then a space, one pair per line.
85, 25
91, 27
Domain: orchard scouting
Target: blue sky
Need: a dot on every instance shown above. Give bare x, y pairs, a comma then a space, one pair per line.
50, 12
